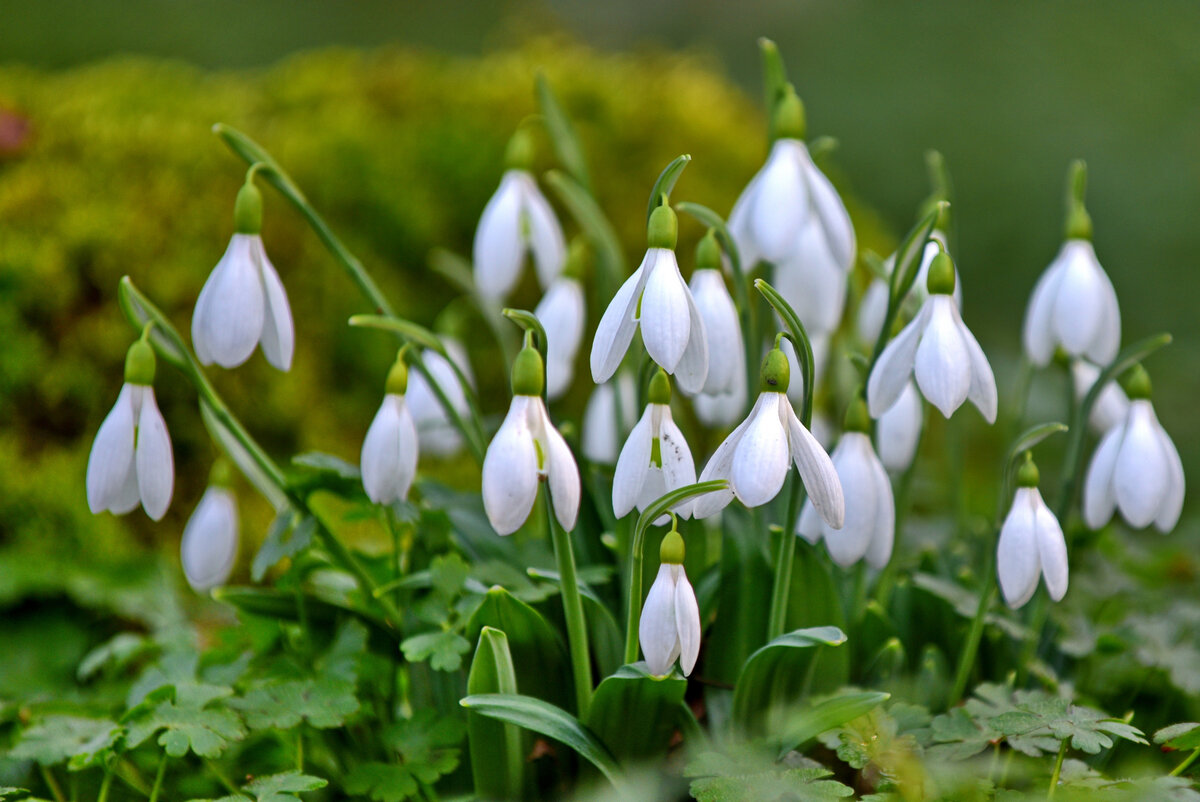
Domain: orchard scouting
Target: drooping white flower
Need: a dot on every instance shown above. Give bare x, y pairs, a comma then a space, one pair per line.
669, 627
609, 403
872, 309
1031, 544
527, 449
243, 302
562, 312
870, 523
131, 461
1136, 468
1073, 307
389, 452
756, 456
517, 221
898, 430
210, 540
938, 348
723, 397
811, 280
1111, 405
436, 433
656, 299
655, 459
720, 410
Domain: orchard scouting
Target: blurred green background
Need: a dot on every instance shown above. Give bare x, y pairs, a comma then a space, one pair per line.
393, 118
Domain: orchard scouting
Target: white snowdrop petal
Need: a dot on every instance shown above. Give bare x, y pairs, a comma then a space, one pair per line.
678, 467
872, 309
278, 332
562, 313
1142, 475
210, 540
436, 434
1051, 547
879, 552
657, 629
1017, 560
619, 321
1038, 332
761, 461
499, 248
942, 364
561, 471
155, 462
720, 466
898, 430
722, 409
379, 462
812, 281
1111, 405
721, 328
738, 224
510, 470
830, 214
1172, 503
816, 470
1104, 346
546, 239
848, 544
692, 370
895, 365
687, 622
1098, 498
780, 200
810, 526
632, 465
982, 390
1079, 305
665, 312
234, 308
110, 462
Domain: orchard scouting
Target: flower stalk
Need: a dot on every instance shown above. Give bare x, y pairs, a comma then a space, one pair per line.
577, 642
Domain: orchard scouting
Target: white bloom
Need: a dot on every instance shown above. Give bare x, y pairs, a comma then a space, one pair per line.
872, 309
436, 433
243, 303
755, 458
389, 452
1031, 543
1111, 405
601, 435
210, 540
1073, 306
561, 312
1137, 469
870, 523
790, 204
517, 220
720, 410
526, 449
811, 280
898, 431
670, 624
657, 298
721, 327
644, 473
820, 349
940, 350
131, 460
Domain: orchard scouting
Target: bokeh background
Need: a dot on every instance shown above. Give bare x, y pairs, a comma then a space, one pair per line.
393, 117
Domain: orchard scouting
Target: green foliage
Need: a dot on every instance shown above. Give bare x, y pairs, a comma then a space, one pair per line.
284, 787
746, 774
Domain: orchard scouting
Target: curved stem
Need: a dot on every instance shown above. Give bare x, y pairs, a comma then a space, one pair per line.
785, 560
104, 785
1175, 772
52, 783
966, 660
581, 664
1058, 764
633, 610
158, 778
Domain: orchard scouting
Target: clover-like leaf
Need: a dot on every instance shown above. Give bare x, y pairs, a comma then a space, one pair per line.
749, 773
287, 537
283, 787
444, 650
206, 732
324, 703
425, 746
55, 739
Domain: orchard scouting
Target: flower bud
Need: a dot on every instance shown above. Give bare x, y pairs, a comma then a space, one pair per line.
140, 363
708, 252
857, 417
247, 209
775, 372
671, 550
787, 118
1136, 383
660, 388
520, 152
1079, 222
941, 275
397, 378
1027, 475
663, 229
529, 374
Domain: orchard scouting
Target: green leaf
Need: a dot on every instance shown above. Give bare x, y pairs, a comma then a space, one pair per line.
647, 734
799, 337
497, 748
562, 133
1179, 736
550, 721
283, 787
825, 715
272, 603
385, 782
604, 636
114, 654
447, 573
610, 257
711, 219
284, 704
538, 655
774, 74
776, 675
278, 545
55, 739
411, 332
749, 773
444, 650
272, 491
206, 732
742, 598
815, 602
907, 264
666, 182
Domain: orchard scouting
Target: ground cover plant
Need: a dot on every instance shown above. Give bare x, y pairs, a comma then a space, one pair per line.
731, 574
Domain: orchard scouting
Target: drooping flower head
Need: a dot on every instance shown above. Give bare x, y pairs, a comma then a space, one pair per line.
243, 303
563, 313
940, 351
209, 546
1074, 305
655, 298
898, 431
669, 628
436, 431
131, 460
389, 452
870, 523
517, 221
655, 459
1136, 467
608, 418
526, 450
1031, 544
755, 457
721, 400
1111, 405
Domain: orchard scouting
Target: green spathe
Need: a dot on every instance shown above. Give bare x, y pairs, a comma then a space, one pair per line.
529, 374
671, 550
140, 362
941, 275
397, 378
663, 229
248, 208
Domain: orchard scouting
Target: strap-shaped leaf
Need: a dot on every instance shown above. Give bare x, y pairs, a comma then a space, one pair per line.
562, 134
656, 700
825, 715
497, 751
799, 337
776, 674
774, 73
666, 182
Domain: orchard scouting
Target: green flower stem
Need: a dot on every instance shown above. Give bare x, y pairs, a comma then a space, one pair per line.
300, 749
104, 785
215, 770
170, 346
52, 783
581, 664
1058, 764
966, 660
158, 778
785, 560
1175, 772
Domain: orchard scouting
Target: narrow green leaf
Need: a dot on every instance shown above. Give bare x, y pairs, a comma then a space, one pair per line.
538, 654
610, 258
774, 73
1179, 736
562, 134
278, 545
228, 442
825, 715
815, 601
413, 332
775, 676
497, 751
139, 310
253, 153
743, 597
666, 182
799, 337
641, 736
711, 219
908, 260
604, 635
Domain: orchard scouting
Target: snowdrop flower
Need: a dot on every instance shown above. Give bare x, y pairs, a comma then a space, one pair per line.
869, 526
436, 433
1031, 543
723, 397
656, 298
898, 431
389, 452
527, 449
872, 309
516, 221
790, 207
562, 312
609, 403
1111, 405
656, 458
1074, 305
940, 351
756, 455
131, 460
669, 628
243, 303
210, 539
1136, 467
813, 283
